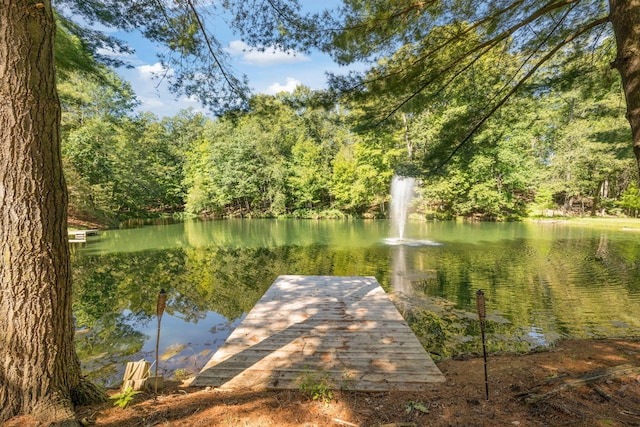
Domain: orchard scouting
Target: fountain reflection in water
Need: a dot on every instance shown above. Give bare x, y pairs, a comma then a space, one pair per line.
402, 193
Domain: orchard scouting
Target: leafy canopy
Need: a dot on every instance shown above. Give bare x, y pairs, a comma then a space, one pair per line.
194, 62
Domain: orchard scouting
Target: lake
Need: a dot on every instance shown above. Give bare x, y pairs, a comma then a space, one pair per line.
542, 282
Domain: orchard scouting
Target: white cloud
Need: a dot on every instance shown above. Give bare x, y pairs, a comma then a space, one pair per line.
129, 58
289, 86
264, 57
154, 70
153, 92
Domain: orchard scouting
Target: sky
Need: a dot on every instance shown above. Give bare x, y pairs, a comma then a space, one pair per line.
269, 72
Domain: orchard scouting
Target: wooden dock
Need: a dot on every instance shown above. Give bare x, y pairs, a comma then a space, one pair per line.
80, 236
344, 330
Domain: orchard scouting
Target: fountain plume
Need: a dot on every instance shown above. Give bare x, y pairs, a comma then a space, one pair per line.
401, 196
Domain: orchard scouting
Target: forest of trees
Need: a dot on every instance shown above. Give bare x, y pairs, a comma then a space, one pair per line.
560, 146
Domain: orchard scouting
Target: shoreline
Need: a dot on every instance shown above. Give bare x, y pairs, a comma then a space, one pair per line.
589, 382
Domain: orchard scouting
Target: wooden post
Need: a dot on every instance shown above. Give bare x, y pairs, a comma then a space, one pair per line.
482, 315
162, 302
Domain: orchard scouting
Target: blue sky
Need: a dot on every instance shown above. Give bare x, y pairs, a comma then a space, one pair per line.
269, 72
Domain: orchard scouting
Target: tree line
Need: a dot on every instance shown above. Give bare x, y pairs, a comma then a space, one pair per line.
560, 146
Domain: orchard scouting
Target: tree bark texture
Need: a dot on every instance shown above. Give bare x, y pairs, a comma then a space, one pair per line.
39, 369
625, 19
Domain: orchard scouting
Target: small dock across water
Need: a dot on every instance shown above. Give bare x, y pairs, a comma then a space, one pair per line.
340, 329
80, 236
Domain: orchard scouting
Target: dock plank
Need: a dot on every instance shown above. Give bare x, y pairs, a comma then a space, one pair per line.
344, 329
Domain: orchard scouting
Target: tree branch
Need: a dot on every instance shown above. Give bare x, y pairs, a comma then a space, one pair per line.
526, 77
552, 5
478, 55
219, 64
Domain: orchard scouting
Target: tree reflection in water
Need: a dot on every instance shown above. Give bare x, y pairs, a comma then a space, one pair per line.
541, 284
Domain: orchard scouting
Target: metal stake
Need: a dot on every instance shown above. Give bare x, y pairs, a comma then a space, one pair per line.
162, 303
482, 315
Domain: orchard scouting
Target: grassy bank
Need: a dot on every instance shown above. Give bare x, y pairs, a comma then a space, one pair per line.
610, 223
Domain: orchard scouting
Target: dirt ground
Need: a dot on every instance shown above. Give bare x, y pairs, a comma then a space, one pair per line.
577, 383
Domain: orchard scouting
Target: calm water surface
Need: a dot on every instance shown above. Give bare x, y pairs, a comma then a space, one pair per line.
542, 282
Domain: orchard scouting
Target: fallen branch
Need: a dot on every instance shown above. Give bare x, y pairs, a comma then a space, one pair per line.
600, 375
344, 423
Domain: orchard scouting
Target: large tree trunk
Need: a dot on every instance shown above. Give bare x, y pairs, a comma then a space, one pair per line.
39, 369
625, 18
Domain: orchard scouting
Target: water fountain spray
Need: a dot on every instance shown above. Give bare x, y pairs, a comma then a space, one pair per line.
482, 315
162, 303
401, 196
